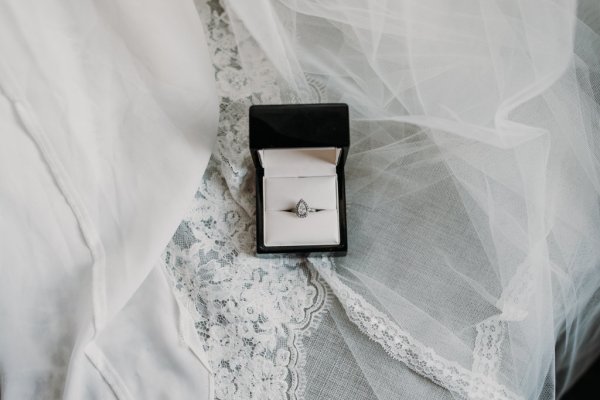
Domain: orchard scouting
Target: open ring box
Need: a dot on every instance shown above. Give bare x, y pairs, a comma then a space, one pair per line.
299, 151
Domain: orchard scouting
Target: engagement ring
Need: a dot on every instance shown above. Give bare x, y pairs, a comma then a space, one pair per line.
302, 209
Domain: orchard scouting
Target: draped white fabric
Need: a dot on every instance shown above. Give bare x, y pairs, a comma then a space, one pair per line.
473, 200
108, 113
473, 179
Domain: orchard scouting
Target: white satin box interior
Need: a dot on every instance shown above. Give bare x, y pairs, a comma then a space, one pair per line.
292, 175
292, 171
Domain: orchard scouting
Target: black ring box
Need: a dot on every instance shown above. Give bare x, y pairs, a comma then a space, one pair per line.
300, 126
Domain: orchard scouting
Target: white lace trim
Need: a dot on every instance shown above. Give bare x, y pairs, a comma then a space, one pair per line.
487, 352
402, 346
251, 320
303, 330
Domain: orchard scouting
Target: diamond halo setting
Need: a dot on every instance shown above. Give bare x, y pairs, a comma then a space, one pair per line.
302, 209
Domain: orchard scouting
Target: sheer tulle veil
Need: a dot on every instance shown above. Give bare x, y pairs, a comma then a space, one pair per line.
473, 179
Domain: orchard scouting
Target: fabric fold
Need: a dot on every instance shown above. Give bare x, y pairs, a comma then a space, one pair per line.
109, 116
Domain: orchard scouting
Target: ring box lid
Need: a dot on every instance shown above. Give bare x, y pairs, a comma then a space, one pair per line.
299, 126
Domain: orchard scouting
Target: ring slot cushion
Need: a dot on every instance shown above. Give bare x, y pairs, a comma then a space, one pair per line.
319, 192
282, 227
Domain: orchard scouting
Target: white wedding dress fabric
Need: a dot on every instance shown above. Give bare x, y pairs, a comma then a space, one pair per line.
108, 113
472, 187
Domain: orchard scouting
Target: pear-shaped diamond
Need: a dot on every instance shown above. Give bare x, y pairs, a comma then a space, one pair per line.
301, 209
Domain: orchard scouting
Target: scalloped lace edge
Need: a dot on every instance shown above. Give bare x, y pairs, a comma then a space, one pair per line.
401, 346
299, 332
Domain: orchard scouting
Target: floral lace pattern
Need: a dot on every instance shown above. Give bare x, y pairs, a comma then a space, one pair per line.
250, 313
488, 346
487, 353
